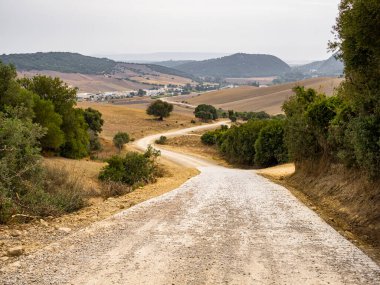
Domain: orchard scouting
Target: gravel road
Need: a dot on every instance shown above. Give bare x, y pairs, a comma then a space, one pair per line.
224, 226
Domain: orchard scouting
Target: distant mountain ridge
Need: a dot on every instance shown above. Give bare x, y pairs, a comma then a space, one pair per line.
60, 61
328, 67
236, 65
67, 62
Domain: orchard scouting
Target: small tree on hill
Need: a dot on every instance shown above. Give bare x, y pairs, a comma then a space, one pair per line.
141, 92
206, 112
160, 109
120, 139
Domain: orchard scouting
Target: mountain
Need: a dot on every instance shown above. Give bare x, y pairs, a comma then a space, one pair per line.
328, 67
92, 74
60, 61
237, 65
162, 56
173, 63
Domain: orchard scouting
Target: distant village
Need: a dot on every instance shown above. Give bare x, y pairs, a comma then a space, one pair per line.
155, 92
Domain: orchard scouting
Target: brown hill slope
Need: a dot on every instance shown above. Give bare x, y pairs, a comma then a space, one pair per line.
269, 99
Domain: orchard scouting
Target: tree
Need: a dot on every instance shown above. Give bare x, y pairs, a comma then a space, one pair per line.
63, 97
94, 119
160, 109
141, 92
206, 112
95, 123
357, 42
120, 139
45, 116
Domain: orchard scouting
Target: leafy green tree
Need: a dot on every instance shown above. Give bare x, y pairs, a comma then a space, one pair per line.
77, 141
357, 42
160, 109
95, 123
45, 116
94, 119
120, 139
76, 138
206, 112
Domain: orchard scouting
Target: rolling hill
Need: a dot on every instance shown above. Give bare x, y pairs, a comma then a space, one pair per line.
269, 99
236, 65
328, 67
91, 74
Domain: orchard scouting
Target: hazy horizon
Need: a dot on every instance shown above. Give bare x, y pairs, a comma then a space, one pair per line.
294, 30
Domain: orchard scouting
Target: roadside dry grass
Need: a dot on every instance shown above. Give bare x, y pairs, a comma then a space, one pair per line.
40, 233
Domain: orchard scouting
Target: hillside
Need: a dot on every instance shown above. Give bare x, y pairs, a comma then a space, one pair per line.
91, 74
328, 67
173, 63
237, 65
60, 61
270, 99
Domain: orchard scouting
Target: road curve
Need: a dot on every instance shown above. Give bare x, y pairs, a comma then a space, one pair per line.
183, 159
224, 226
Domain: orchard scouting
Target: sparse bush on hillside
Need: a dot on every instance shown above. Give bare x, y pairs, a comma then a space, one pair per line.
161, 140
132, 169
120, 139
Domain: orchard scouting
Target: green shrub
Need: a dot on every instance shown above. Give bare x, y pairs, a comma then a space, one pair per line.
120, 139
132, 169
20, 163
209, 138
237, 144
270, 148
161, 140
206, 112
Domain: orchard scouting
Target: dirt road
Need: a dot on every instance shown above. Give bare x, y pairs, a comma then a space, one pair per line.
224, 226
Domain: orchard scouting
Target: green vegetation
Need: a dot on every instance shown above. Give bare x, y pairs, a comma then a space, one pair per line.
237, 65
38, 114
255, 143
95, 123
60, 61
66, 127
134, 169
120, 139
345, 128
161, 140
270, 148
160, 109
206, 112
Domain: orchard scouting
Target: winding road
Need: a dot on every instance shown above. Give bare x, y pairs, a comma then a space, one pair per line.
224, 226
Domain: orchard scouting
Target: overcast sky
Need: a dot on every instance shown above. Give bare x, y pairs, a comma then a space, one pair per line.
290, 29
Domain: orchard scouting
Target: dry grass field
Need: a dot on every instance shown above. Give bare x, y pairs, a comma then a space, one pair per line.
269, 99
191, 144
117, 82
134, 120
